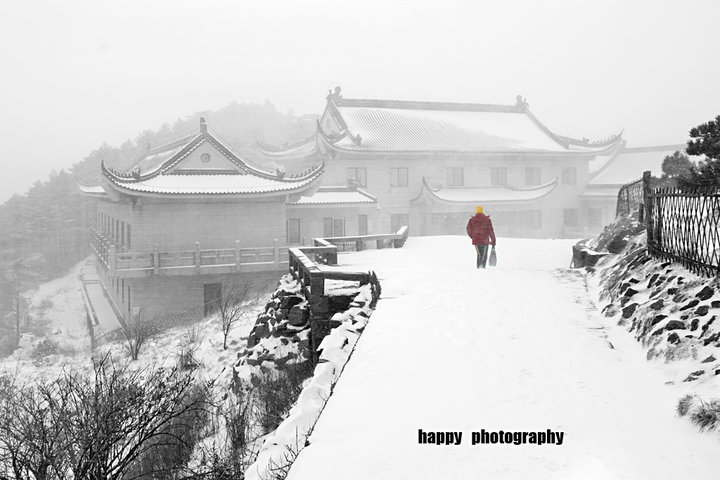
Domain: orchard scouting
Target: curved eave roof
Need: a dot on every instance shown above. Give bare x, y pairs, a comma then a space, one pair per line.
336, 196
91, 190
301, 149
629, 163
391, 126
214, 185
487, 194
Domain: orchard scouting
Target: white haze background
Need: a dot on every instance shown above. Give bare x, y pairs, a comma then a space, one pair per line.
77, 73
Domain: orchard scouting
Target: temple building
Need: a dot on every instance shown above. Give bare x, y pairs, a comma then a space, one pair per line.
192, 217
428, 164
188, 220
610, 172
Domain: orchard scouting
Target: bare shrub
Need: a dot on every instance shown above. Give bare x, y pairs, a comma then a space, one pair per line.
137, 332
116, 422
230, 307
278, 390
706, 415
684, 405
44, 348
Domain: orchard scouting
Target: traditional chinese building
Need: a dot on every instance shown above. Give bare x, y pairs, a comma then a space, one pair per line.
428, 164
610, 172
187, 220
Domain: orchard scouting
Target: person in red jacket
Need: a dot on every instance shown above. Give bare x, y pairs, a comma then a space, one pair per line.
480, 230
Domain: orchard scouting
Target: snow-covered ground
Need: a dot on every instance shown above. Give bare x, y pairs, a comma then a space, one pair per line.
517, 348
57, 313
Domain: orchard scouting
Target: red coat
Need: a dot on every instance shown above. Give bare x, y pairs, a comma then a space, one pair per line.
480, 229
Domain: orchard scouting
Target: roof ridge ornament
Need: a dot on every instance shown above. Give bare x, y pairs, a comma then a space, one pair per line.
521, 102
203, 125
334, 96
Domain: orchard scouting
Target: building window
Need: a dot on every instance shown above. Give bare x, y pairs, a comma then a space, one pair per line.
398, 220
359, 175
569, 176
333, 227
595, 217
398, 177
532, 176
455, 177
498, 176
362, 225
293, 231
530, 218
570, 217
128, 236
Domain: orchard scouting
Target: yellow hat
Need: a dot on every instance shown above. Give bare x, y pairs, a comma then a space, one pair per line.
478, 209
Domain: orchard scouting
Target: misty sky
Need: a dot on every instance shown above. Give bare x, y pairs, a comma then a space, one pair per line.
77, 73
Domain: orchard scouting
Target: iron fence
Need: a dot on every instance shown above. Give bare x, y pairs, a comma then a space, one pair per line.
630, 198
683, 225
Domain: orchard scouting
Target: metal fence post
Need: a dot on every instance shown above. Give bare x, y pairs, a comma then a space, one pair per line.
646, 215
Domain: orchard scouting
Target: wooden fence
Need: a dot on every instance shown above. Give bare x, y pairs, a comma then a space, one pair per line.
682, 225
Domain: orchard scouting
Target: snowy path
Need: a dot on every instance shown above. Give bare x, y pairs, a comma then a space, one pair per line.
516, 348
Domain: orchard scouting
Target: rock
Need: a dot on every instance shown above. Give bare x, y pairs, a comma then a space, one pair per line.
298, 315
672, 291
709, 359
657, 304
673, 338
630, 292
712, 338
653, 279
715, 304
678, 298
702, 310
281, 314
705, 293
717, 372
694, 324
694, 376
629, 310
658, 319
692, 303
675, 325
290, 301
634, 281
610, 310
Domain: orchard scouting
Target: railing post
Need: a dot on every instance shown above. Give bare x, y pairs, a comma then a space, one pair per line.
156, 259
647, 211
276, 252
197, 255
237, 255
112, 258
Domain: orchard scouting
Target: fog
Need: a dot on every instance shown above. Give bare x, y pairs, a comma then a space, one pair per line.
76, 73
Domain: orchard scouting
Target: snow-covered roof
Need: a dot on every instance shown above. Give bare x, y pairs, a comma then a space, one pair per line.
91, 190
203, 165
411, 126
336, 195
629, 163
213, 184
488, 194
286, 151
